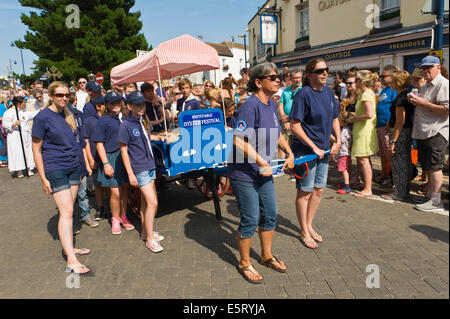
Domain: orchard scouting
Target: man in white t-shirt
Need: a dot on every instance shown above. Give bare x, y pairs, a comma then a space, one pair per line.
82, 95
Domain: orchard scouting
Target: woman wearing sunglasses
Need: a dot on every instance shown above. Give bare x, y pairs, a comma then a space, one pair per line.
314, 117
55, 152
250, 173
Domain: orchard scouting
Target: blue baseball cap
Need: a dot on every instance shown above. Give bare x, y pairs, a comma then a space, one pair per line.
94, 87
430, 61
112, 97
99, 99
136, 97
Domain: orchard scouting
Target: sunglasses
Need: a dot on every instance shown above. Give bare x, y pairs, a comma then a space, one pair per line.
320, 71
61, 95
384, 76
349, 83
178, 93
272, 77
82, 82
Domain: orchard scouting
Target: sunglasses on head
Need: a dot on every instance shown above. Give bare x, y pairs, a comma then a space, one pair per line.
61, 95
320, 71
272, 77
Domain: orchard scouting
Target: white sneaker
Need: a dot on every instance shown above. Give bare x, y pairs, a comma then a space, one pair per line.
30, 173
20, 175
430, 207
155, 247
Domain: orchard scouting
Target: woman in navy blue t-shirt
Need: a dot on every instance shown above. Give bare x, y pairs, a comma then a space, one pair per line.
257, 137
55, 152
314, 117
135, 145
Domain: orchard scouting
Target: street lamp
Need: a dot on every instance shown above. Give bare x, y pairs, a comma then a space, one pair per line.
21, 55
244, 36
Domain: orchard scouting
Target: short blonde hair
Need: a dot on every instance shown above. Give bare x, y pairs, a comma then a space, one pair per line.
400, 80
367, 77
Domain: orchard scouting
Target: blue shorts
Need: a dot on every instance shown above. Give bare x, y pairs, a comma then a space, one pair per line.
317, 177
257, 205
120, 175
146, 177
63, 179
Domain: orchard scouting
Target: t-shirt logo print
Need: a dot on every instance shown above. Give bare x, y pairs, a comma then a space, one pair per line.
136, 132
241, 126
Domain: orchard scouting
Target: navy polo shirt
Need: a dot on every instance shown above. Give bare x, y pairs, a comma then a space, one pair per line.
132, 135
260, 123
90, 125
192, 104
59, 147
107, 132
316, 111
89, 110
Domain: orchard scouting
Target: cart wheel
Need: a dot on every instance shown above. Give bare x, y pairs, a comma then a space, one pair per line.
223, 183
134, 201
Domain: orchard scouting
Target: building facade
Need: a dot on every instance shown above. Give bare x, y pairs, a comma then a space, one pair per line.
368, 34
232, 60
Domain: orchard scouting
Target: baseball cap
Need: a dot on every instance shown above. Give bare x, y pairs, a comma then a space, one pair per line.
112, 97
136, 97
94, 87
99, 99
430, 61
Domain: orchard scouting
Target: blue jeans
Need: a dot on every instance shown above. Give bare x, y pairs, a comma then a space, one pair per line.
83, 199
257, 205
317, 177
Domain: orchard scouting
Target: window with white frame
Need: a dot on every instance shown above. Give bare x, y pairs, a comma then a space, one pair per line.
304, 23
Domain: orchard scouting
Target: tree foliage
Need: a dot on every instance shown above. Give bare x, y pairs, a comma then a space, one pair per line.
108, 35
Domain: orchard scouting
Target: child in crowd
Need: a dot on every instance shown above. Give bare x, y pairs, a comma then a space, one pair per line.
136, 150
111, 171
229, 111
91, 152
344, 162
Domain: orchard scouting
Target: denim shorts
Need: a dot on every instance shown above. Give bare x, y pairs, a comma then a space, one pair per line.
146, 177
317, 177
257, 205
63, 179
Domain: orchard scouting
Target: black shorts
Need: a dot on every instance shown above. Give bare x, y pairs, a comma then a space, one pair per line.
432, 152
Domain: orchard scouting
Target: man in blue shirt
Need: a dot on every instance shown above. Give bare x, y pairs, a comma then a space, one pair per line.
385, 100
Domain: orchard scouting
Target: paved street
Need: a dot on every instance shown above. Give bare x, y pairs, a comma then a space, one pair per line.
411, 249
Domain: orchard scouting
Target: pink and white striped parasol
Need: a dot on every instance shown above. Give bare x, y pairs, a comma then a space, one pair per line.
179, 56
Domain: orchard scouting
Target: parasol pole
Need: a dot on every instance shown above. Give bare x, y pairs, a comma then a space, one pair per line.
223, 105
161, 91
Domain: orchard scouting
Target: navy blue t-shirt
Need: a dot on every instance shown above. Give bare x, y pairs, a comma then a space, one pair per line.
260, 123
152, 113
89, 110
316, 111
107, 132
192, 104
59, 147
132, 135
90, 125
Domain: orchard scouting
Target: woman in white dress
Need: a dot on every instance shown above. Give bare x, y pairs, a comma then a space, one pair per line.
11, 126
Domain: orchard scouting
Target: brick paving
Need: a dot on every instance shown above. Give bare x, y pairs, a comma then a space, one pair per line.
411, 249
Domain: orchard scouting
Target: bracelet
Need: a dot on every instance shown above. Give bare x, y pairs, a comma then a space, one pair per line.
289, 154
104, 164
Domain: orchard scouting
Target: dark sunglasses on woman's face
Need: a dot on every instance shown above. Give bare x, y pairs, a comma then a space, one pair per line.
61, 95
82, 82
320, 71
272, 77
178, 93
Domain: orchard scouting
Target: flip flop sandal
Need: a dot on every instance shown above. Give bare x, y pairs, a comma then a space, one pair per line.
72, 269
81, 252
306, 241
270, 263
252, 270
317, 237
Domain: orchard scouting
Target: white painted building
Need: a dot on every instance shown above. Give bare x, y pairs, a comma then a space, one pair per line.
232, 60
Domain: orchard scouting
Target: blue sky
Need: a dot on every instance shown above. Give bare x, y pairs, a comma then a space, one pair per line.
216, 20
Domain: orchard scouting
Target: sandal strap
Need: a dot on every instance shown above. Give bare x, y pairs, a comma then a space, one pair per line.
249, 268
